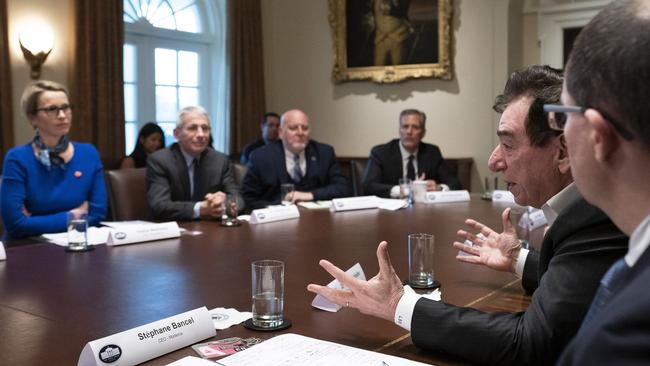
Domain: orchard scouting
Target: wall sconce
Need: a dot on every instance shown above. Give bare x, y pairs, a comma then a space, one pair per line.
37, 43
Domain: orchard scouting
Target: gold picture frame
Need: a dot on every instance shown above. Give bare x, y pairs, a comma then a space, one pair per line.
370, 35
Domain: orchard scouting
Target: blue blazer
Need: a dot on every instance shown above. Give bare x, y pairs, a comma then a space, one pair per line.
267, 171
620, 334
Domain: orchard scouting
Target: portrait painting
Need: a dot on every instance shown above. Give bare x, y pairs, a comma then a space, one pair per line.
391, 40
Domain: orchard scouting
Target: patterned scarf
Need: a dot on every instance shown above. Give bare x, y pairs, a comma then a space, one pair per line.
50, 157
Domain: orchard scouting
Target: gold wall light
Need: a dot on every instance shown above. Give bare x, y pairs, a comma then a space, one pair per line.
36, 42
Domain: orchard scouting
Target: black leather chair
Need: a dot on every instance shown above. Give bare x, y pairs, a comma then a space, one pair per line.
127, 194
358, 168
239, 171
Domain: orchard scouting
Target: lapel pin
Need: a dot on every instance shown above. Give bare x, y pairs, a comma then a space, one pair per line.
77, 174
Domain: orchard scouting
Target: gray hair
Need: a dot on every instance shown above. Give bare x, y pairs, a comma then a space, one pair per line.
191, 109
414, 112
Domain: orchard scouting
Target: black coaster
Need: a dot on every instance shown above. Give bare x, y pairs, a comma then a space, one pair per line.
434, 285
248, 324
88, 249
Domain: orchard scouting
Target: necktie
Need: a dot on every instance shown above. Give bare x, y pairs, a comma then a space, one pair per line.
410, 168
297, 172
611, 282
196, 192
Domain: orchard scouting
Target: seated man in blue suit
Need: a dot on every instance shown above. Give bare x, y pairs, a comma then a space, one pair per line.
309, 165
407, 157
607, 128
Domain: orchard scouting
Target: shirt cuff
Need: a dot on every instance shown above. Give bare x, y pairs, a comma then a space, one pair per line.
197, 210
521, 262
405, 308
443, 187
394, 192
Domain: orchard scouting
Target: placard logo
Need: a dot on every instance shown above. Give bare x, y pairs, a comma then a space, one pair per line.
110, 353
120, 235
261, 216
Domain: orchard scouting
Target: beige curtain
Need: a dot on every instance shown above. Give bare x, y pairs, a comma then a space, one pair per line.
247, 72
6, 110
98, 92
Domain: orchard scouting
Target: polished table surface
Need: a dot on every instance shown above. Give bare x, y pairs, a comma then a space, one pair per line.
53, 302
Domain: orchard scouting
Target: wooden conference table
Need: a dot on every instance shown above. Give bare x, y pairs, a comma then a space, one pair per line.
53, 302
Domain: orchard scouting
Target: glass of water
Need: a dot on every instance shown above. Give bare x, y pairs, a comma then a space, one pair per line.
77, 232
268, 293
421, 260
286, 193
406, 190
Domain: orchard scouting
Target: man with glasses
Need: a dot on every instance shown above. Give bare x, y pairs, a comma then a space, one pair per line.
606, 120
407, 158
189, 180
577, 249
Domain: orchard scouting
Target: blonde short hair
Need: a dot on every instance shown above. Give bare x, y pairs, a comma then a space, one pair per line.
29, 99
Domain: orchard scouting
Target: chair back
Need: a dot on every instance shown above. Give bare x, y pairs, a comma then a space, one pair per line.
358, 167
239, 171
2, 228
127, 194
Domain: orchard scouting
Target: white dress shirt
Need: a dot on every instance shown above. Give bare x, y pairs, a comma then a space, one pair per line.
639, 242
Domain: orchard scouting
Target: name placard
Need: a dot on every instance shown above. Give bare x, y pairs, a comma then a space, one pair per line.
3, 254
278, 213
148, 341
446, 196
354, 203
536, 219
499, 195
129, 234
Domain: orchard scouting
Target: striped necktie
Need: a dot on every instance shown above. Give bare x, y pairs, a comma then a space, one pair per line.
297, 172
611, 282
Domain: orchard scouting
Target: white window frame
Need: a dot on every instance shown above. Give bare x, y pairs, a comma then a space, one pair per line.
213, 63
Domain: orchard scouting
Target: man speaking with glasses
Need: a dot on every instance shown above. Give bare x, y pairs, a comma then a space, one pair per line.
188, 180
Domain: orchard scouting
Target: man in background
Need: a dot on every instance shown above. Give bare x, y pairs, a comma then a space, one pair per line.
188, 180
270, 126
407, 157
309, 165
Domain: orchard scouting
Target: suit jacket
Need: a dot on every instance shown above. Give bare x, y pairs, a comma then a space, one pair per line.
168, 182
385, 168
620, 334
267, 170
248, 149
575, 253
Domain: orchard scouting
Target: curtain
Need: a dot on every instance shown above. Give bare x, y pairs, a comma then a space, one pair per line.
247, 72
6, 110
97, 91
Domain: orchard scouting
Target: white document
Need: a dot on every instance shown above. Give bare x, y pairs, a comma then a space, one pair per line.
274, 213
148, 341
138, 233
391, 204
227, 317
446, 196
296, 350
354, 203
3, 254
322, 303
191, 361
96, 236
316, 205
119, 224
499, 195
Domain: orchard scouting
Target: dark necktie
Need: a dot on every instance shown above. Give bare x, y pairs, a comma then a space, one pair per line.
410, 168
196, 193
611, 282
297, 172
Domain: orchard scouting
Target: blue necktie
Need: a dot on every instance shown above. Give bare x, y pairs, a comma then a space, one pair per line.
297, 172
611, 282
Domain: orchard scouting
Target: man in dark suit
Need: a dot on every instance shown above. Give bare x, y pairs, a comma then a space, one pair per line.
270, 127
605, 117
407, 157
309, 165
577, 249
189, 180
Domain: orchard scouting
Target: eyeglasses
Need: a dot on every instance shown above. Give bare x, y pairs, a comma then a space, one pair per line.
557, 117
54, 110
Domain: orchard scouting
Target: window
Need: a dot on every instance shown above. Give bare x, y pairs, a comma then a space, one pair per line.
174, 56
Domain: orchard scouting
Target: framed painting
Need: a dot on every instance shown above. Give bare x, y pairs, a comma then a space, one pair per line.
389, 41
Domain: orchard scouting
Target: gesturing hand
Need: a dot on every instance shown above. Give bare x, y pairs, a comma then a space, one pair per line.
496, 251
377, 297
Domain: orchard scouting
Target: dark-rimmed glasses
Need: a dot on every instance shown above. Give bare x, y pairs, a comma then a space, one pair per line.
54, 110
557, 117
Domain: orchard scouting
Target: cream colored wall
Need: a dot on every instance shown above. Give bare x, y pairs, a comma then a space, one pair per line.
57, 14
354, 116
530, 39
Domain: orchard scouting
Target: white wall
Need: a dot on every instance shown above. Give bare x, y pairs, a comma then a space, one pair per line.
58, 15
354, 116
